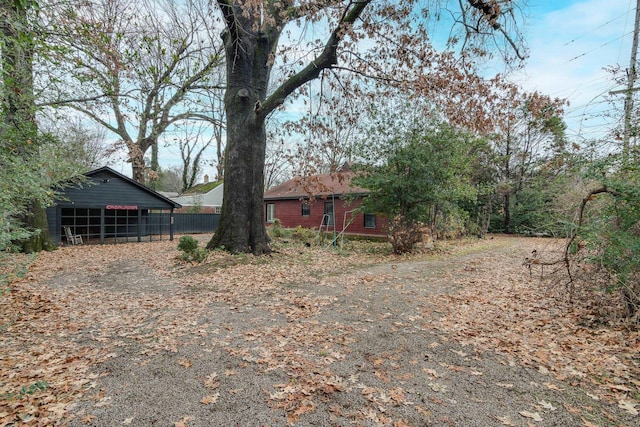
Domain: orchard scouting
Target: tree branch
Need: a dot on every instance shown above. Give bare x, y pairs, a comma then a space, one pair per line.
327, 58
574, 234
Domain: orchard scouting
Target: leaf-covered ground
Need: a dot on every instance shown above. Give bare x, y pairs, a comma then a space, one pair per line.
127, 335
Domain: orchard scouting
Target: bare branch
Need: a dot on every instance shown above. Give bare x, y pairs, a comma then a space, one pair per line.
327, 59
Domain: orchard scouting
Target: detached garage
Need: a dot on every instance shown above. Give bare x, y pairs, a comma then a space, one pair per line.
108, 207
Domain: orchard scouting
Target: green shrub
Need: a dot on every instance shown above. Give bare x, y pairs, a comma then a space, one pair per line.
26, 390
304, 234
190, 250
276, 228
187, 244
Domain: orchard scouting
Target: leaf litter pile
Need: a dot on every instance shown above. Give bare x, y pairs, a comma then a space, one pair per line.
464, 336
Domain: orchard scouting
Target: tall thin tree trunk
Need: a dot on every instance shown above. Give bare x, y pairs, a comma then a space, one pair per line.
18, 108
507, 213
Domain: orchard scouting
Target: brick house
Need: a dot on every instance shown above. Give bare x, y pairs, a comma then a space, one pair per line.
332, 206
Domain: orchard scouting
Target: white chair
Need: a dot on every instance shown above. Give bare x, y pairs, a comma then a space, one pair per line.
71, 238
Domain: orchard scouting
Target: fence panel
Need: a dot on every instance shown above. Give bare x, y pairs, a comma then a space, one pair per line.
185, 223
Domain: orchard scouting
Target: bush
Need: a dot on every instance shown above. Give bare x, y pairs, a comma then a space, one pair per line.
303, 234
190, 250
276, 228
187, 244
608, 226
404, 234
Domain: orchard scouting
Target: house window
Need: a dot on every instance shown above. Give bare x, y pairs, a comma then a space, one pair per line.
328, 214
217, 209
369, 221
271, 212
306, 208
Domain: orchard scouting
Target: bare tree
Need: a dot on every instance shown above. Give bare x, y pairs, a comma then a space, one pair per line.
134, 67
326, 132
83, 143
195, 139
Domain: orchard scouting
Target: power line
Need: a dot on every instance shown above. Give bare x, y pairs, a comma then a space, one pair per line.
597, 28
599, 47
626, 22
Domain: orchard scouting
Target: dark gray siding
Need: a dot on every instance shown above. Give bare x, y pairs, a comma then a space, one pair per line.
109, 206
105, 189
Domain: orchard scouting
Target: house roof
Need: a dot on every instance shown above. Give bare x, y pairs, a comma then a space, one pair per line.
108, 170
211, 198
318, 186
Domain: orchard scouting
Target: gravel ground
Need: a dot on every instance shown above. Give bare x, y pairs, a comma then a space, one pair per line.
327, 345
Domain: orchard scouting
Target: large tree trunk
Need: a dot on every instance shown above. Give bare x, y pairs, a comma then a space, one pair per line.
242, 226
36, 222
138, 167
18, 109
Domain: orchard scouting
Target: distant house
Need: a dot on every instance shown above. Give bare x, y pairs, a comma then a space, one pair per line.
333, 205
110, 207
199, 201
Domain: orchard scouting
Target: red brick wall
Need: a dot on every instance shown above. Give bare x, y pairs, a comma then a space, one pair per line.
289, 212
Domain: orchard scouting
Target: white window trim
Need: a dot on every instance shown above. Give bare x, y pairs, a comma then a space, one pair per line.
271, 212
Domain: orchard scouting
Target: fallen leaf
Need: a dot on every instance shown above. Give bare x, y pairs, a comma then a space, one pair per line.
572, 409
431, 372
588, 423
397, 395
552, 386
127, 421
184, 362
547, 405
619, 387
505, 385
183, 422
424, 411
533, 415
437, 387
211, 382
506, 421
628, 406
88, 419
210, 399
105, 401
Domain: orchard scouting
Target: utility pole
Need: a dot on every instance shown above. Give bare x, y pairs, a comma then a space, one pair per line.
631, 79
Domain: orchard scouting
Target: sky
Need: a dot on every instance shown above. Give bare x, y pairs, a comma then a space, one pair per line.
571, 42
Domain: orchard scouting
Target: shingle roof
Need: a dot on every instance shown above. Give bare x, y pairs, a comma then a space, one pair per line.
319, 186
106, 169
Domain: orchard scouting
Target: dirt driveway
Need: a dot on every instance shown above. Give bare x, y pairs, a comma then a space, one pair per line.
125, 335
